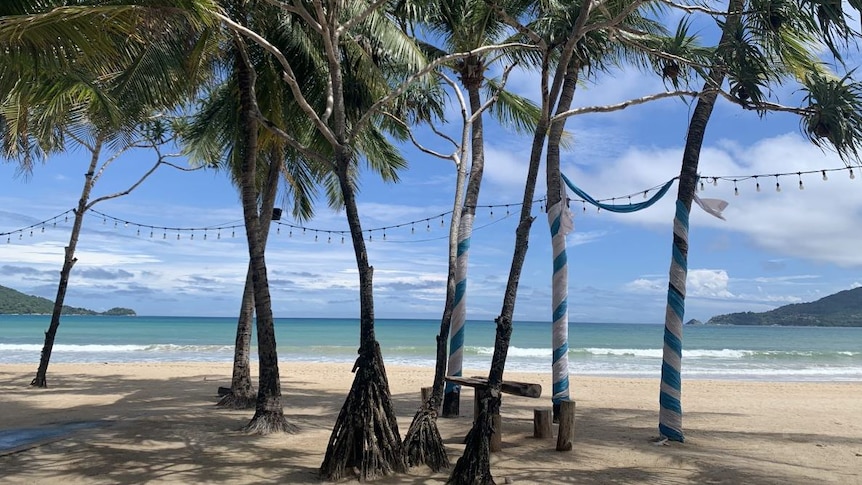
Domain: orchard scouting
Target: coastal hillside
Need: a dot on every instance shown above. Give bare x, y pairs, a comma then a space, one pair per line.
17, 303
843, 309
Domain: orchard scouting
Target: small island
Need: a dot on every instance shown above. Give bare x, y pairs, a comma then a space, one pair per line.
843, 309
13, 302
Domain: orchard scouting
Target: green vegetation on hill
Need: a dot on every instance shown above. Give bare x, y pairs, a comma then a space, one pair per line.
15, 302
843, 309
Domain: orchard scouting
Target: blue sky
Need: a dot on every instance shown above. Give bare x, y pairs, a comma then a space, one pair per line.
774, 248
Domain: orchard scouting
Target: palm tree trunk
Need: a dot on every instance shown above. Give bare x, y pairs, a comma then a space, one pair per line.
269, 414
365, 439
474, 466
69, 261
559, 280
423, 443
242, 395
670, 395
472, 80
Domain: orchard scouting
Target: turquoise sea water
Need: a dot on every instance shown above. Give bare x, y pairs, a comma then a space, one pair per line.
601, 349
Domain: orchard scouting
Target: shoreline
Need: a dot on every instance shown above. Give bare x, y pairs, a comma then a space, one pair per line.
156, 422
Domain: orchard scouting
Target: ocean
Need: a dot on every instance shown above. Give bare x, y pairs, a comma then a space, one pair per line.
595, 349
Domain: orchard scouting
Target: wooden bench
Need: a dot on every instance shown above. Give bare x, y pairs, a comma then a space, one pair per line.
480, 384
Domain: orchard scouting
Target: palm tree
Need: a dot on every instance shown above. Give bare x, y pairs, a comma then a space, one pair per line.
102, 100
360, 47
761, 43
464, 26
213, 139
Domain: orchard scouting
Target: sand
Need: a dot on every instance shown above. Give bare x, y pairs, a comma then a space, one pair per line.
157, 423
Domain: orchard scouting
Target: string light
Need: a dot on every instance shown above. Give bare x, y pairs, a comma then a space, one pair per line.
700, 184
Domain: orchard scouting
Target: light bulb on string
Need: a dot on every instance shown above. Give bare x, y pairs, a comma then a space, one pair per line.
757, 184
164, 235
801, 187
412, 229
205, 234
218, 234
232, 233
492, 212
104, 221
278, 230
115, 224
192, 236
645, 194
825, 178
507, 210
442, 224
370, 236
31, 232
43, 228
852, 175
126, 224
290, 233
702, 188
384, 234
329, 239
735, 188
138, 232
428, 226
777, 184
342, 239
715, 181
178, 236
151, 234
315, 236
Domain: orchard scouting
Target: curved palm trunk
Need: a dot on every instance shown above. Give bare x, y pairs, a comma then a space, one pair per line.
560, 278
670, 413
423, 443
242, 395
474, 466
365, 439
68, 262
269, 414
473, 77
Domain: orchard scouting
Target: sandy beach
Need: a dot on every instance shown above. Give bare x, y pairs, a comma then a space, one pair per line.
157, 423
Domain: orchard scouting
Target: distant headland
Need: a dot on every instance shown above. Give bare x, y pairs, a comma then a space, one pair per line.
13, 302
843, 309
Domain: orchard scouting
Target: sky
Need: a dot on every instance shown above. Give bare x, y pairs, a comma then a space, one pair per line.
774, 248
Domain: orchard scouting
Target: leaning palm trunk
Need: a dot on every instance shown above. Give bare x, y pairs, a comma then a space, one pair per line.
269, 414
242, 395
365, 437
423, 443
670, 413
472, 79
68, 261
474, 466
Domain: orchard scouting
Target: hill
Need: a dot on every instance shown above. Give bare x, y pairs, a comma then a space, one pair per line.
843, 309
15, 302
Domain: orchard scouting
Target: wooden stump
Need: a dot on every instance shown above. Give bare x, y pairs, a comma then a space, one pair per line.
542, 423
566, 429
497, 433
426, 394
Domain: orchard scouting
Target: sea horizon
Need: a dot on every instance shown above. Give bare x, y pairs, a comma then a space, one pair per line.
762, 353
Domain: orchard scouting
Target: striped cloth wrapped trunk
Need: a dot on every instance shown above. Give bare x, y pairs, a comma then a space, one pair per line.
670, 413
